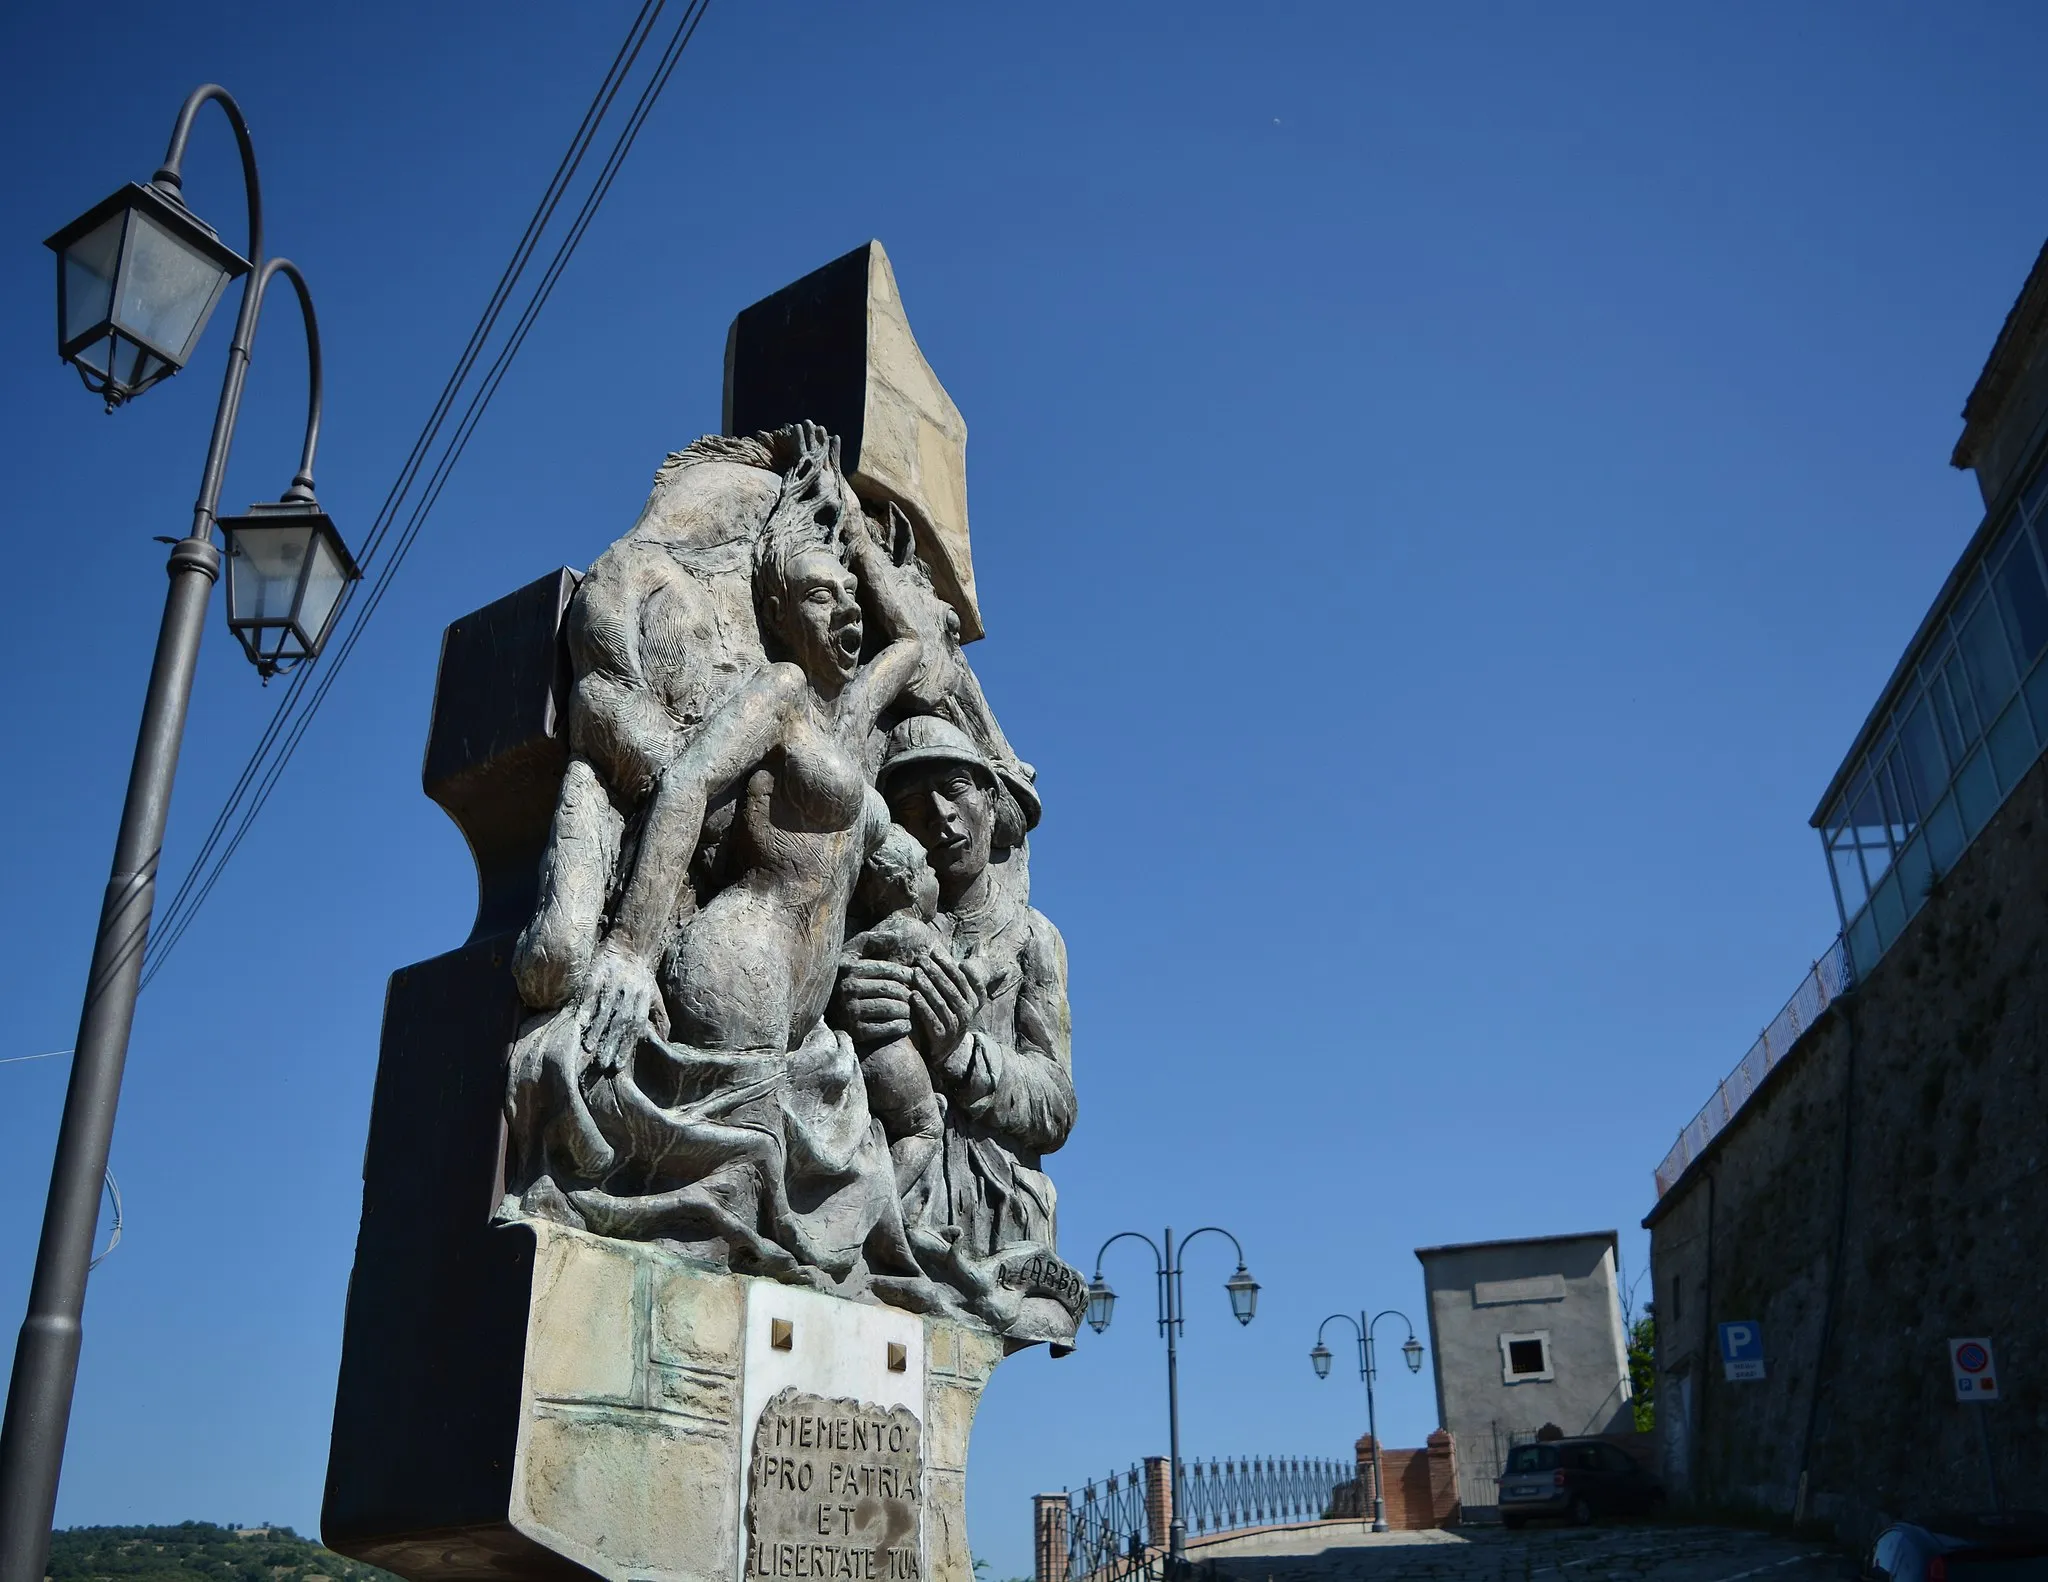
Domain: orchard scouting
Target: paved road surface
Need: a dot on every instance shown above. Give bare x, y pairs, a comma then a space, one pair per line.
1637, 1552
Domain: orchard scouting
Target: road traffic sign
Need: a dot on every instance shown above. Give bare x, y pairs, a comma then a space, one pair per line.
1976, 1375
1742, 1349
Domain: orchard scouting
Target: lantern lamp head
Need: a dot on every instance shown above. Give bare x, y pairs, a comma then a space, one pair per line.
1411, 1349
1320, 1357
287, 571
138, 275
1101, 1303
1244, 1295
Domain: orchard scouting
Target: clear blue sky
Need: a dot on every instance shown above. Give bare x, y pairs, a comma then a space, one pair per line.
1447, 483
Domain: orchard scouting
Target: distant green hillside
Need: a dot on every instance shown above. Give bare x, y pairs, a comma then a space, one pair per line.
192, 1551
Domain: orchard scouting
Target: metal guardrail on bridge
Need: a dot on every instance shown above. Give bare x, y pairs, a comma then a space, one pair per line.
1260, 1491
1113, 1532
1106, 1529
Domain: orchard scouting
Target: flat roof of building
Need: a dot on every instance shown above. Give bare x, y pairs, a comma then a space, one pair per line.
1518, 1241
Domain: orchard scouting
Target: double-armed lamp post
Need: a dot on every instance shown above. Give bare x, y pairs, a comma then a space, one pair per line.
1411, 1351
1244, 1302
138, 275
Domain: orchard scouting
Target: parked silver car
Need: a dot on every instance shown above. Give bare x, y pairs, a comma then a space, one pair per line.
1578, 1479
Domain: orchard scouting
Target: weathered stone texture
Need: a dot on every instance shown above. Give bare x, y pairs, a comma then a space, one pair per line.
630, 1420
628, 1454
1933, 1068
959, 1362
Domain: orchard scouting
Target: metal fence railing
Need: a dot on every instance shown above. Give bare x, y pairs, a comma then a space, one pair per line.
1106, 1536
1110, 1532
1260, 1491
1830, 978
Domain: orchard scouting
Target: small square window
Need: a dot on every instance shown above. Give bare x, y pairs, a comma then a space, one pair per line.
1525, 1357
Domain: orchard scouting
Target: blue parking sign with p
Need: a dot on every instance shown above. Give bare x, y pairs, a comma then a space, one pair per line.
1742, 1349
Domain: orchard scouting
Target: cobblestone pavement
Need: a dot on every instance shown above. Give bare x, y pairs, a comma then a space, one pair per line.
1635, 1552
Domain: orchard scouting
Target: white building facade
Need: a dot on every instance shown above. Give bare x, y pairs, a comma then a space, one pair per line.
1524, 1335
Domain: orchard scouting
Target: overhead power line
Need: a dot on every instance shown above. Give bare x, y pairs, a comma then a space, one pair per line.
309, 687
289, 705
113, 1230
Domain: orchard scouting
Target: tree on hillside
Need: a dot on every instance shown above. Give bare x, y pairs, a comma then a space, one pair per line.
198, 1552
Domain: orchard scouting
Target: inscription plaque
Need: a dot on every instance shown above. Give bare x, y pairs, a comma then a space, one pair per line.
834, 1492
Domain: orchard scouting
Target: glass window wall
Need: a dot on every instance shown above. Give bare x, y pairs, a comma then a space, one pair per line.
1968, 722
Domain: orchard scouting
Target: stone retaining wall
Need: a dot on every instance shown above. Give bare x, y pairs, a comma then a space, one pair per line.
1882, 1192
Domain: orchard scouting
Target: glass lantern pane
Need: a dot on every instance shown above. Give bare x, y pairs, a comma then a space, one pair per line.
97, 355
167, 288
135, 369
263, 571
323, 592
269, 647
89, 265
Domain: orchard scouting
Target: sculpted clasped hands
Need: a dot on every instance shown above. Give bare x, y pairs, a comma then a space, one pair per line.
936, 1001
946, 1001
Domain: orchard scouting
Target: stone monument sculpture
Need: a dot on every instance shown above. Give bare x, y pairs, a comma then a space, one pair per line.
704, 1183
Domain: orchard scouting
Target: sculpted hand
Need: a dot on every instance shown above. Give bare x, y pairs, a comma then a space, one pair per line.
621, 1005
872, 1001
946, 1001
817, 466
863, 548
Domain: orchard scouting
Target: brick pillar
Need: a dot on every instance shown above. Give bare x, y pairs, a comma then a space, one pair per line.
1049, 1537
1158, 1501
1362, 1454
1443, 1479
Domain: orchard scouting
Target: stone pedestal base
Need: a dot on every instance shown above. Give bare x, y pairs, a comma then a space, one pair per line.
677, 1423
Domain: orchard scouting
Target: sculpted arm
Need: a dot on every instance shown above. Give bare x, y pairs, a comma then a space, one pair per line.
731, 743
885, 677
616, 716
1023, 1090
623, 999
620, 736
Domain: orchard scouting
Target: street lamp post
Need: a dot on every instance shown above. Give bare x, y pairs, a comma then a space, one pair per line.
1244, 1303
1411, 1352
137, 277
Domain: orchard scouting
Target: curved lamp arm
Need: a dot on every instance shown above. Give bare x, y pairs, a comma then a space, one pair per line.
1158, 1263
302, 483
1392, 1312
1321, 1354
1411, 1348
1206, 1230
170, 179
1160, 1274
170, 175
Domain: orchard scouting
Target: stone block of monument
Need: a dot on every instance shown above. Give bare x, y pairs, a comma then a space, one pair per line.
835, 347
704, 1183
